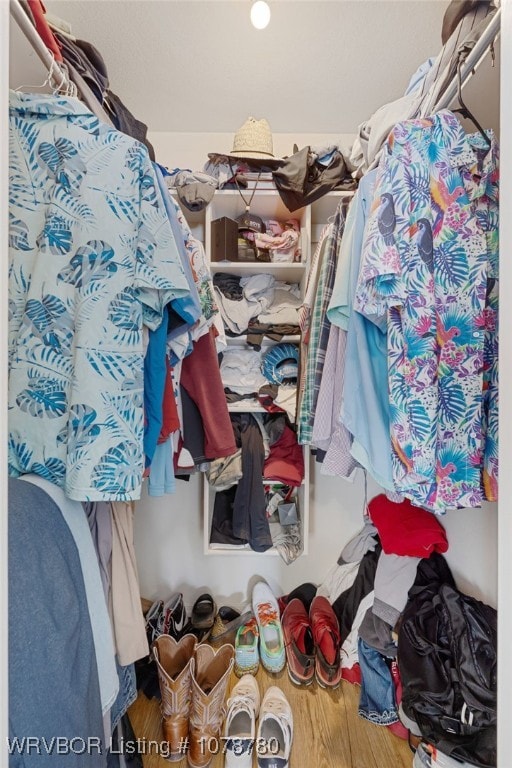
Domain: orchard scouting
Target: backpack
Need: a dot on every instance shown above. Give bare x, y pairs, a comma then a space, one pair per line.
447, 660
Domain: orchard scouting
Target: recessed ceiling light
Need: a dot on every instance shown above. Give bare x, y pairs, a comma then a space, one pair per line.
260, 14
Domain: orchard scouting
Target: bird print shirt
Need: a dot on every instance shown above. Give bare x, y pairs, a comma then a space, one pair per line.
429, 271
91, 259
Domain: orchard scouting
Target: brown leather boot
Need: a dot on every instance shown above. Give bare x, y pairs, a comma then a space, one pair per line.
209, 687
175, 662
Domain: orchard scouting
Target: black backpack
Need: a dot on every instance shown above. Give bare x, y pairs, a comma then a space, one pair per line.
447, 661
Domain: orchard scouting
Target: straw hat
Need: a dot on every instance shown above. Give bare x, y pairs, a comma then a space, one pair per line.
253, 141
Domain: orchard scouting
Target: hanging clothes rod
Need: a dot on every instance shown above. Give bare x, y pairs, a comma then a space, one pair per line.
472, 61
59, 76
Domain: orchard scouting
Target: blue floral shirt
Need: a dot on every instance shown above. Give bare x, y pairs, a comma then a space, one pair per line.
430, 271
92, 259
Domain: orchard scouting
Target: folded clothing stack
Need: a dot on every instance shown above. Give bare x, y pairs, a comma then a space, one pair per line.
257, 298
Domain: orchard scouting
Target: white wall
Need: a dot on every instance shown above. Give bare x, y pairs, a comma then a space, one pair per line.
169, 544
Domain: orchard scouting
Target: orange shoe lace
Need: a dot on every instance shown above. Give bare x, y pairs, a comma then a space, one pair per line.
251, 626
267, 614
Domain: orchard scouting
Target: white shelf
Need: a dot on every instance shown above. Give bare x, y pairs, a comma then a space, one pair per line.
288, 273
267, 204
244, 550
237, 549
239, 341
246, 406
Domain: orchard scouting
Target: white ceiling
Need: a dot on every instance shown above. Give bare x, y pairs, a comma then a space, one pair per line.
199, 65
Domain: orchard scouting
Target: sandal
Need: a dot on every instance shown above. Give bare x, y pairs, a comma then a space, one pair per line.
203, 612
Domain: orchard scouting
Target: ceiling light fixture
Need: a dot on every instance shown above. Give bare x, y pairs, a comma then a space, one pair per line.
260, 14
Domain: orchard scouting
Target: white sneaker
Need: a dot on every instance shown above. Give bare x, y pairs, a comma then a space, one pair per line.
429, 757
275, 730
440, 760
422, 757
240, 724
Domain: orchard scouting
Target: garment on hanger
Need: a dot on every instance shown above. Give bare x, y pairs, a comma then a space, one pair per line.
200, 376
430, 272
128, 620
155, 377
88, 63
38, 12
88, 267
365, 403
372, 134
54, 689
76, 519
319, 330
329, 432
423, 93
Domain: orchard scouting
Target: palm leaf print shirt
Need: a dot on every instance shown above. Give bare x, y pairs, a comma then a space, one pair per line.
430, 271
92, 259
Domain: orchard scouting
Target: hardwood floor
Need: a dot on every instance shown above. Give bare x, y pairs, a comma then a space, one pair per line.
328, 733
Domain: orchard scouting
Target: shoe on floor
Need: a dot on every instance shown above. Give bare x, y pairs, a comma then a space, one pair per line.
247, 657
208, 691
298, 642
174, 617
154, 621
204, 611
240, 723
226, 624
266, 611
326, 634
275, 730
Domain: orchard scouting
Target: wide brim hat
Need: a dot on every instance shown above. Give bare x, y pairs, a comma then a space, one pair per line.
252, 142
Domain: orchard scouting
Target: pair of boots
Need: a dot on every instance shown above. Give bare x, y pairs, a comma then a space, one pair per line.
193, 685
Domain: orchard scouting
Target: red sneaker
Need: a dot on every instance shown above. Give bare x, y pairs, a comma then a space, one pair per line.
326, 635
298, 643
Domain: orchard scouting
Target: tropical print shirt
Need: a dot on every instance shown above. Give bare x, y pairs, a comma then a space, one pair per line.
430, 271
92, 259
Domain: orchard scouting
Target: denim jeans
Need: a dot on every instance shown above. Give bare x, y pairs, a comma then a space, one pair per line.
377, 702
127, 692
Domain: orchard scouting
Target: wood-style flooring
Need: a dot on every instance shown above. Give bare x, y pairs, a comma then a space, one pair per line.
327, 730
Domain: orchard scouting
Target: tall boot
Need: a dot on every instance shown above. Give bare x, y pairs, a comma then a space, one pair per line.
207, 712
175, 662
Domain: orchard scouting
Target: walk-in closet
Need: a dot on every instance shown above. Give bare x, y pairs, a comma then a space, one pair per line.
255, 440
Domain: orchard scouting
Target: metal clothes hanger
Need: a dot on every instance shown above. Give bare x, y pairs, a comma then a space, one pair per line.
464, 110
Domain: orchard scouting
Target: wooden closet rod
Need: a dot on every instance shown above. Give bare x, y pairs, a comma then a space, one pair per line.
59, 76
